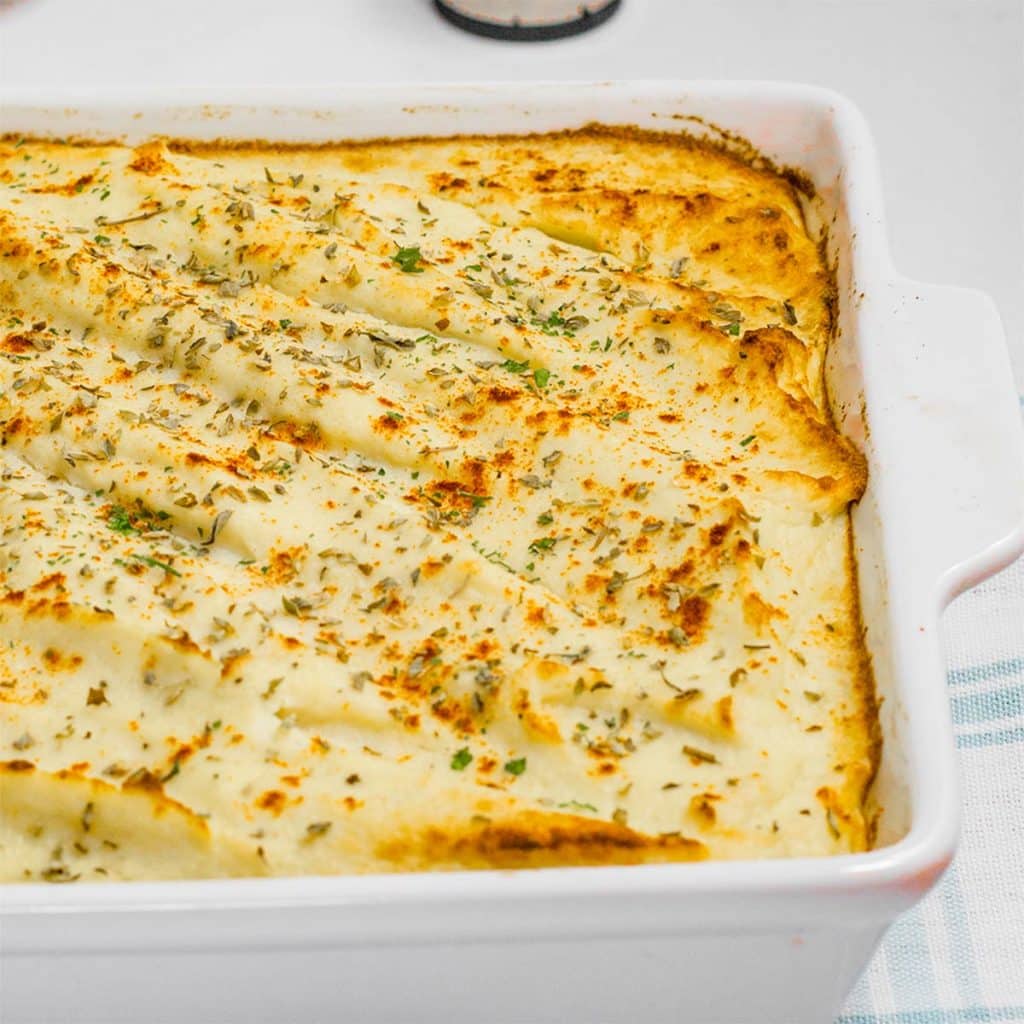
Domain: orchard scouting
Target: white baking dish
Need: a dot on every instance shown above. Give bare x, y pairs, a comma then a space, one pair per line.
924, 367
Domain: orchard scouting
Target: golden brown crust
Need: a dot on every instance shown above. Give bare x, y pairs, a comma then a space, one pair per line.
361, 518
534, 840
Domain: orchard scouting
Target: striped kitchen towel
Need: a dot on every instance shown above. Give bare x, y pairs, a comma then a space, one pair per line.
958, 958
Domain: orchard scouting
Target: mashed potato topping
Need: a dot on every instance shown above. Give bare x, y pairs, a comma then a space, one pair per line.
422, 504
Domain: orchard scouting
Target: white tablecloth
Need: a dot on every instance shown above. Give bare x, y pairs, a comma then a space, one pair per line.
942, 84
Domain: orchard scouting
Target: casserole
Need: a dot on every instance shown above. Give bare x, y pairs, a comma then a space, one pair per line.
588, 598
767, 941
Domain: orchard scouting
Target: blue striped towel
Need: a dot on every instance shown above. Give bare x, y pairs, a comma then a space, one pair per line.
958, 957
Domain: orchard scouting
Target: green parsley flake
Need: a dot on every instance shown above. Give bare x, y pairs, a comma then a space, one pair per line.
516, 767
578, 805
552, 325
119, 521
155, 563
460, 759
408, 258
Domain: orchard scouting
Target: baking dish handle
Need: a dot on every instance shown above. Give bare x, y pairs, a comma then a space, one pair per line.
961, 444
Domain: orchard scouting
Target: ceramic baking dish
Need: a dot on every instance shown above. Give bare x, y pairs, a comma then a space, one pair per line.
919, 377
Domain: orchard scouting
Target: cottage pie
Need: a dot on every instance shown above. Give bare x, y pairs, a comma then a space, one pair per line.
421, 504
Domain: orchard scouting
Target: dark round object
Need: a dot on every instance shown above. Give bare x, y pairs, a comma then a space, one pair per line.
516, 30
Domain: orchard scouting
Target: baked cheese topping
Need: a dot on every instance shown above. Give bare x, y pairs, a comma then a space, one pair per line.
414, 505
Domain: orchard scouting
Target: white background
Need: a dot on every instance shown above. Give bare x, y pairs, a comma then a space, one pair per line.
941, 83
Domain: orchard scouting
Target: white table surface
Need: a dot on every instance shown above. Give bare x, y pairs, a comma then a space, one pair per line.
941, 82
